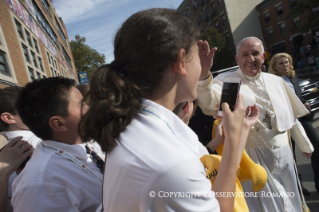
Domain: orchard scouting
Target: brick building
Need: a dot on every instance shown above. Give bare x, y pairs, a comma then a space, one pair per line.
33, 43
281, 35
232, 19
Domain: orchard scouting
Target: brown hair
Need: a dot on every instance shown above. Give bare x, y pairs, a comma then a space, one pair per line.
273, 61
85, 91
144, 47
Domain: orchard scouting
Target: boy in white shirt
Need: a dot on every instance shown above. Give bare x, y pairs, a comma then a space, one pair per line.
62, 174
11, 126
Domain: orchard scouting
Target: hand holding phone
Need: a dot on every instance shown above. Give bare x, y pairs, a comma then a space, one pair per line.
229, 93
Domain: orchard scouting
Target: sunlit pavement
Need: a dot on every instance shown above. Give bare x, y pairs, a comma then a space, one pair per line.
304, 167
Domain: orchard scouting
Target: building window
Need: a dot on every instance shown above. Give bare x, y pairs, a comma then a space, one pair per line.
66, 56
45, 24
199, 19
3, 64
19, 28
34, 59
36, 45
270, 33
227, 35
38, 75
47, 7
26, 54
53, 65
40, 64
267, 17
48, 58
296, 21
280, 47
27, 34
31, 74
52, 72
223, 19
188, 12
60, 31
282, 27
195, 4
279, 10
219, 3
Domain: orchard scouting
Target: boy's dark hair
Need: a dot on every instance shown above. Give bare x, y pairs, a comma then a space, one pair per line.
8, 98
147, 43
40, 100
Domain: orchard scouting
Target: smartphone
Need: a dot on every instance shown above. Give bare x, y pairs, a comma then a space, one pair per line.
230, 93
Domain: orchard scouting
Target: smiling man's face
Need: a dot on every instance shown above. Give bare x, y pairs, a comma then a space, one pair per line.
250, 57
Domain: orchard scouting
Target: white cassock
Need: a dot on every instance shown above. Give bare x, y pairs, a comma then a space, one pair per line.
270, 93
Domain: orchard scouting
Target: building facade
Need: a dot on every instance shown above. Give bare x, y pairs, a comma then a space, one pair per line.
233, 19
282, 35
34, 43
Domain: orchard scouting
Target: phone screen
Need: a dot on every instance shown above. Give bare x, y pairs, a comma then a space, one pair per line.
229, 95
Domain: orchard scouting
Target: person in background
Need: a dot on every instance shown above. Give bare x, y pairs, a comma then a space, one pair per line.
12, 126
64, 173
311, 61
263, 68
281, 65
157, 65
300, 64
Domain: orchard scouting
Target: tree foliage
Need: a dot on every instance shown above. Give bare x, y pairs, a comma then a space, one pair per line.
223, 58
305, 8
85, 58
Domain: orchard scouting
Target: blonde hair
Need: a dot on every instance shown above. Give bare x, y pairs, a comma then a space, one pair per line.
274, 60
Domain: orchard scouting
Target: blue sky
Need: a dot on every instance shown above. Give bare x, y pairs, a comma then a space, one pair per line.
99, 20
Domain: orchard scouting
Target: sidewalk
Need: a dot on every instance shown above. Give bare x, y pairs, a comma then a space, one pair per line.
304, 167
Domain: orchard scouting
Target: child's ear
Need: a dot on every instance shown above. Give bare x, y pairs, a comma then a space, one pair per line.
7, 118
179, 65
57, 124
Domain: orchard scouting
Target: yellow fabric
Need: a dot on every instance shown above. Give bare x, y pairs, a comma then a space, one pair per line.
249, 170
211, 163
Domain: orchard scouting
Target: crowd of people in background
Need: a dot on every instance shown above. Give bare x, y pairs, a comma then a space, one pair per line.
308, 54
116, 145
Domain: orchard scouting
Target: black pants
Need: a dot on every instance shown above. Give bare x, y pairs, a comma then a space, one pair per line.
314, 139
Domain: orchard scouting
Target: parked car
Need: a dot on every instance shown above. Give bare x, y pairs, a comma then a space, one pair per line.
308, 79
309, 84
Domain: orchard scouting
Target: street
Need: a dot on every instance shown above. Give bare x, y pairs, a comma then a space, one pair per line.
304, 167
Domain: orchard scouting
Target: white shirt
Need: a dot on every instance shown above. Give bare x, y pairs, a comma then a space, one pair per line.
31, 139
51, 182
27, 136
153, 157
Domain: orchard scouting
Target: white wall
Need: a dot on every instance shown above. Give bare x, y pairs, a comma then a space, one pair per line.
244, 19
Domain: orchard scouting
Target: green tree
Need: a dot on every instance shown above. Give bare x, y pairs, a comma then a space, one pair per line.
85, 58
304, 8
223, 58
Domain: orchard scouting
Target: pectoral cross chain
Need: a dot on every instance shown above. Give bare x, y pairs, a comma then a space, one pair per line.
267, 119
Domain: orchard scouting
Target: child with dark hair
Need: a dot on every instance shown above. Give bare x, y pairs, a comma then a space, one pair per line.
64, 174
11, 126
152, 156
10, 121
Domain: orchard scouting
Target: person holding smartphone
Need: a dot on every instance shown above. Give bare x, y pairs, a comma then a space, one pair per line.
150, 151
267, 142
